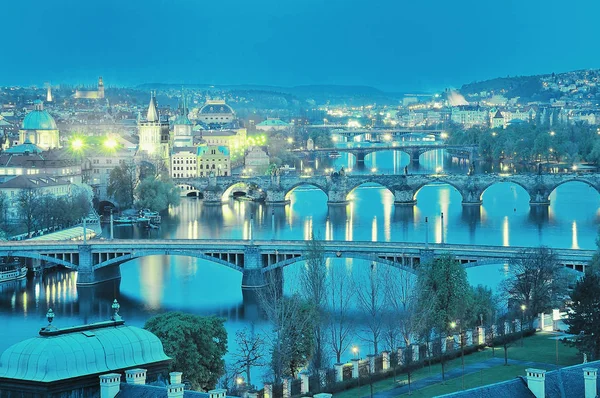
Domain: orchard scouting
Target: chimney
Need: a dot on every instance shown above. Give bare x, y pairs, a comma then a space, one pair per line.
175, 391
175, 377
135, 376
219, 393
589, 379
110, 384
536, 382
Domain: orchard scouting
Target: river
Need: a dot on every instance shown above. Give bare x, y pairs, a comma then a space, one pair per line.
156, 284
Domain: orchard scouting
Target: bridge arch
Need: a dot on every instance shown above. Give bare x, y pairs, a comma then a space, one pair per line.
439, 181
291, 188
368, 183
188, 190
585, 181
358, 256
164, 252
508, 181
38, 256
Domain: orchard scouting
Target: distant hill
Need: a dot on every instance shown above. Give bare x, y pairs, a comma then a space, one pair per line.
321, 94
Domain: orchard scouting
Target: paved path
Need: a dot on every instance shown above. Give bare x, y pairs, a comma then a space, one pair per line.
456, 373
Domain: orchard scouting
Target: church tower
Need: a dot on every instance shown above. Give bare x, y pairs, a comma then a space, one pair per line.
48, 92
100, 88
182, 127
153, 132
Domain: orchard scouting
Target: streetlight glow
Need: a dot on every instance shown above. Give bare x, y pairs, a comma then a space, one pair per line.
77, 144
110, 143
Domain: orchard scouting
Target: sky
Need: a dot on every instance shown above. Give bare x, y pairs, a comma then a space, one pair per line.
394, 45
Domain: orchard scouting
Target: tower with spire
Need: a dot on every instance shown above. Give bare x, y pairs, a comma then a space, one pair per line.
48, 92
153, 132
182, 127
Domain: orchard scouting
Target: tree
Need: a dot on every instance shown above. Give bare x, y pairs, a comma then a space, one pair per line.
313, 282
155, 194
197, 345
27, 202
249, 352
584, 317
503, 335
121, 184
535, 280
445, 292
293, 334
4, 207
339, 323
371, 303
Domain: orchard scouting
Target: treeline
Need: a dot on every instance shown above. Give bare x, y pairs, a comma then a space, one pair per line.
531, 143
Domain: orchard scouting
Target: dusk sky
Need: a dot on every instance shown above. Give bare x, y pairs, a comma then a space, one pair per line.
394, 45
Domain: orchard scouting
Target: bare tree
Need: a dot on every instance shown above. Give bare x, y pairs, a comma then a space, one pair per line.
535, 280
27, 202
313, 283
249, 352
371, 302
291, 319
339, 324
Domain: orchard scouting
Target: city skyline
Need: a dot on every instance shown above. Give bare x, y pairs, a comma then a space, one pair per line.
391, 47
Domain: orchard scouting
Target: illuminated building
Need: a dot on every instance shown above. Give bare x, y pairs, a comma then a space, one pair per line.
39, 128
497, 121
184, 162
92, 94
235, 138
214, 160
153, 132
216, 112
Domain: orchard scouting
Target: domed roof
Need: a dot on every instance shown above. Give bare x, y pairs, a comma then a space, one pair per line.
38, 119
216, 107
80, 351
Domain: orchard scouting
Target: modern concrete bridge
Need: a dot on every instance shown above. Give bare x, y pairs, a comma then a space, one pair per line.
413, 150
99, 260
338, 186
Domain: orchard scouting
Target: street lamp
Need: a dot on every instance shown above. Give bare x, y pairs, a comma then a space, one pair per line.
523, 308
77, 144
355, 351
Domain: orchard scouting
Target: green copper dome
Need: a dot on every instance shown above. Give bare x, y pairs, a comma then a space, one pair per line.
182, 120
38, 119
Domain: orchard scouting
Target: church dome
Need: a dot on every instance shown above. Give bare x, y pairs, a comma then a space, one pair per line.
39, 119
216, 108
81, 351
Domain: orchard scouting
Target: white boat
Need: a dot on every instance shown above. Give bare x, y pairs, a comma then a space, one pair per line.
12, 273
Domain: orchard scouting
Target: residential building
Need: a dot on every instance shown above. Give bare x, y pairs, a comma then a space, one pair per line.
498, 122
98, 167
213, 160
469, 116
39, 128
578, 381
184, 162
12, 187
229, 138
29, 159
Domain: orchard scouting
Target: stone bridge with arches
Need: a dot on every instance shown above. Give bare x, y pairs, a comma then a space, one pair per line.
339, 186
99, 260
413, 150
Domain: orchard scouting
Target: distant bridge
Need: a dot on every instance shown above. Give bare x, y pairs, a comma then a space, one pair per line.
413, 150
338, 187
376, 132
99, 260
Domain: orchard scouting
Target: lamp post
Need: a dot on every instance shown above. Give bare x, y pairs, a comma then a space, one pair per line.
523, 308
442, 226
355, 351
426, 234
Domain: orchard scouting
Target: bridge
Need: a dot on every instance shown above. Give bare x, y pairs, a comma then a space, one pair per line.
380, 133
99, 260
413, 150
339, 186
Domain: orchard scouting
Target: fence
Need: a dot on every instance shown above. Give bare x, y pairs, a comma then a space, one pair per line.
402, 360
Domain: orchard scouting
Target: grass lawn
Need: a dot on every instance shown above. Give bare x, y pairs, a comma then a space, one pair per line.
538, 348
